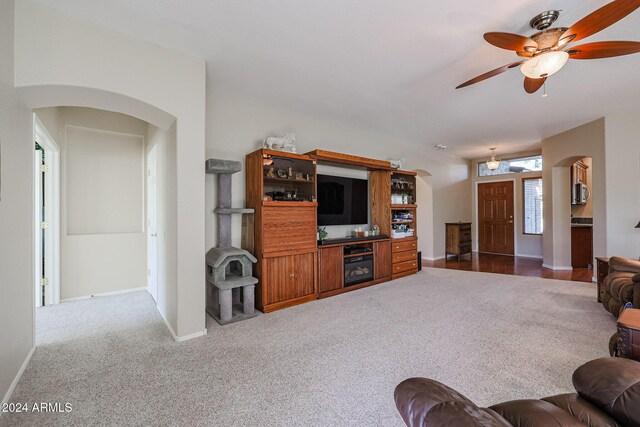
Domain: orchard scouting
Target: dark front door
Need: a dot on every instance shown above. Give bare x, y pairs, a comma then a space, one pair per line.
495, 217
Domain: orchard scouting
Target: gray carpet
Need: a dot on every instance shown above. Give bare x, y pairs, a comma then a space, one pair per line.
333, 362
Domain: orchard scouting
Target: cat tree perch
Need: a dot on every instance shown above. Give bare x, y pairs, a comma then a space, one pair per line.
228, 268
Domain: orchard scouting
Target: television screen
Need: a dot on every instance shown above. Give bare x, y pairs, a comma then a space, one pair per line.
342, 201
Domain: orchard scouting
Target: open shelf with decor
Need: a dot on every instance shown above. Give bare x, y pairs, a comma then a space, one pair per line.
288, 177
404, 244
403, 188
403, 204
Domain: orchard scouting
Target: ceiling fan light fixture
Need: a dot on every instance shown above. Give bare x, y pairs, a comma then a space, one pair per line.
544, 65
493, 163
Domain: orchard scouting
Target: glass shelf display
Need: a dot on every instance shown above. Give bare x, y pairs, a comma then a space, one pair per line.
403, 189
289, 179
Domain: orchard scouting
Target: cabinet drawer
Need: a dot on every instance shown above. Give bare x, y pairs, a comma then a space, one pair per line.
405, 256
404, 266
465, 249
288, 228
404, 246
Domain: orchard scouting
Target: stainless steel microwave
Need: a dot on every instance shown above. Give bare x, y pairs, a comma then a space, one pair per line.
580, 194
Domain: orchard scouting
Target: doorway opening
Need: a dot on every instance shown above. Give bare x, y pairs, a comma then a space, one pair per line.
46, 216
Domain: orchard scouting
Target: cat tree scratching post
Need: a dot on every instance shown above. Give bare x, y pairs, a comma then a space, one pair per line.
228, 268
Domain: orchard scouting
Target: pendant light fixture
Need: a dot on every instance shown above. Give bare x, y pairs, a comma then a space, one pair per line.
493, 163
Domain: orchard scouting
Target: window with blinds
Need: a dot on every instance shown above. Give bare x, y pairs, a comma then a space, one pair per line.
532, 194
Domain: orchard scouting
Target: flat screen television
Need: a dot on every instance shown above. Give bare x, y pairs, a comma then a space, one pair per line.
342, 201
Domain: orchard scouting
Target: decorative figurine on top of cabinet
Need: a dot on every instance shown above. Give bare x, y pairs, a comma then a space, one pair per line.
281, 143
397, 163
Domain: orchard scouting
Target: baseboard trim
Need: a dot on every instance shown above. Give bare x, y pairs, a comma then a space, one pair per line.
15, 381
105, 294
558, 267
529, 256
177, 338
191, 336
429, 258
166, 322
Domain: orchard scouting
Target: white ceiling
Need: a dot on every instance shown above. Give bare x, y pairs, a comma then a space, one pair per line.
389, 66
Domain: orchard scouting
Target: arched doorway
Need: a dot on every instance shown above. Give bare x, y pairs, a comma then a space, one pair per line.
565, 211
72, 98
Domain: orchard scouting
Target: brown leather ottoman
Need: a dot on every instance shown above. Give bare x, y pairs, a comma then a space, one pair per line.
629, 334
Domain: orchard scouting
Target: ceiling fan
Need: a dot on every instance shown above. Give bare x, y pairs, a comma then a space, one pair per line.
546, 52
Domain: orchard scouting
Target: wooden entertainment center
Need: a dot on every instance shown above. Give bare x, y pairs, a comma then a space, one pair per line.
293, 267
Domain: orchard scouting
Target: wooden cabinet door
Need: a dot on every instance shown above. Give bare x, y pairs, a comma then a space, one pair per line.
276, 285
330, 270
289, 277
303, 279
287, 228
382, 259
579, 172
581, 247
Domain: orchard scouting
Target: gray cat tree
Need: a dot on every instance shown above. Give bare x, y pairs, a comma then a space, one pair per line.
230, 293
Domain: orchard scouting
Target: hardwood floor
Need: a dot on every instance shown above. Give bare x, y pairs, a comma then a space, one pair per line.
504, 264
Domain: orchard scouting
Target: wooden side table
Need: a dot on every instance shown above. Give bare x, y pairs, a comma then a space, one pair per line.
602, 265
629, 334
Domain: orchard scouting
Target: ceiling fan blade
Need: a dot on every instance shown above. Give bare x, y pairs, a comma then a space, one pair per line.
599, 20
489, 74
603, 50
532, 85
510, 41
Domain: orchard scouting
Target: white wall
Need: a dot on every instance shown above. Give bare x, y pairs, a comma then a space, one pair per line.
165, 141
622, 147
16, 217
103, 245
559, 152
236, 127
525, 244
451, 200
93, 67
104, 180
424, 199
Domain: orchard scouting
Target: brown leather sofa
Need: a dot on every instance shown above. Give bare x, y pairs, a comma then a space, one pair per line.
622, 284
608, 394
